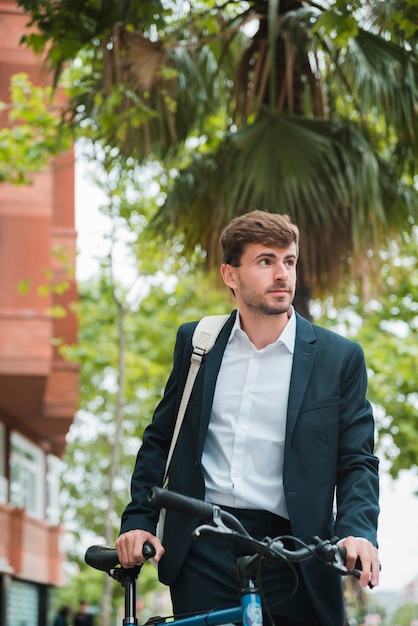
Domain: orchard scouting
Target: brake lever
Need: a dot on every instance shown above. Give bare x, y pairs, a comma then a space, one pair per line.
217, 526
334, 556
213, 529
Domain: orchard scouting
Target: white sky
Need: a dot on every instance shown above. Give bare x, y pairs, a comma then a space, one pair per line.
398, 534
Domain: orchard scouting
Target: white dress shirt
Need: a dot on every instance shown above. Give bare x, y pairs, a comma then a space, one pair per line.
243, 451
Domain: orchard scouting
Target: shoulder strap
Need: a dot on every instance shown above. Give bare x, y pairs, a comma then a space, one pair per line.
204, 337
207, 331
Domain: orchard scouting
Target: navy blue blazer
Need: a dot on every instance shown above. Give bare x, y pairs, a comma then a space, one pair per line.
328, 456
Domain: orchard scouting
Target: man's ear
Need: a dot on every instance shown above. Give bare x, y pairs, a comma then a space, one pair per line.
228, 275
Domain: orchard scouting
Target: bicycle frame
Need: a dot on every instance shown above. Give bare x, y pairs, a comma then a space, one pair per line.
214, 618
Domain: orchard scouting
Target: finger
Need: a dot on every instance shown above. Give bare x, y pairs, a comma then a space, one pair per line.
121, 550
159, 551
129, 548
375, 577
368, 556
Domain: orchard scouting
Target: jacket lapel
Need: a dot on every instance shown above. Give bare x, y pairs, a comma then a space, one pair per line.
303, 360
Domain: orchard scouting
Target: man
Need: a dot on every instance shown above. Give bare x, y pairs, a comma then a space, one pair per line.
83, 617
63, 616
277, 425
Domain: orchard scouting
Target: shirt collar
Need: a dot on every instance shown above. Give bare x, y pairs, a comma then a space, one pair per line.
287, 337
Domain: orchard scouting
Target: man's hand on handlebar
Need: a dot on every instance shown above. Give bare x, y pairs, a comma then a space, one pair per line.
358, 548
129, 547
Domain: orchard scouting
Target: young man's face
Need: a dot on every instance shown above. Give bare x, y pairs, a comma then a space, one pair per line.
265, 281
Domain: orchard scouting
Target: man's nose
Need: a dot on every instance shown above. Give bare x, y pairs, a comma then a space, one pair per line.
280, 271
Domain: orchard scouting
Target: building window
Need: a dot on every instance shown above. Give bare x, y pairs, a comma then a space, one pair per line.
27, 476
22, 603
53, 482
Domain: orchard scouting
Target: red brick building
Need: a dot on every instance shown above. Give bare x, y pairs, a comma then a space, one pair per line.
38, 388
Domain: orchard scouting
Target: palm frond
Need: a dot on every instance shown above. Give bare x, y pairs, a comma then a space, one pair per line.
153, 97
383, 78
326, 176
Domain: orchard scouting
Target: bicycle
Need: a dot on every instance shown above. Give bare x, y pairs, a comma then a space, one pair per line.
249, 611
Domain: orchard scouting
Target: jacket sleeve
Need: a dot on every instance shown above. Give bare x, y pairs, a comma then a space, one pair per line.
152, 455
357, 488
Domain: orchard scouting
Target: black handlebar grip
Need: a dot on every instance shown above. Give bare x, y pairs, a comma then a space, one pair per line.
148, 550
105, 558
163, 498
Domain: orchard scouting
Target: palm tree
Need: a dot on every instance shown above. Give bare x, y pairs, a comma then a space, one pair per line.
302, 107
323, 128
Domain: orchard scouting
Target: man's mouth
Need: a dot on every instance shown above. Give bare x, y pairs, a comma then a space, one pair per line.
279, 288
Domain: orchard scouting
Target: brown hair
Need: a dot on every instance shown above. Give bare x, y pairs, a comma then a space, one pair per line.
270, 229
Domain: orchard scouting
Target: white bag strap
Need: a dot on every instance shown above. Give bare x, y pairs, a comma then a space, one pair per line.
203, 340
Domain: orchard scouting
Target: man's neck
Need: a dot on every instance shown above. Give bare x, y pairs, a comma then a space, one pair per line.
263, 330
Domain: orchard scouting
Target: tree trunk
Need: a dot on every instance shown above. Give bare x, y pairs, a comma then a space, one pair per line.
106, 604
303, 293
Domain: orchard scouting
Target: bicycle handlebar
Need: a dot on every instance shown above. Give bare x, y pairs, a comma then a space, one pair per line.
327, 550
105, 558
